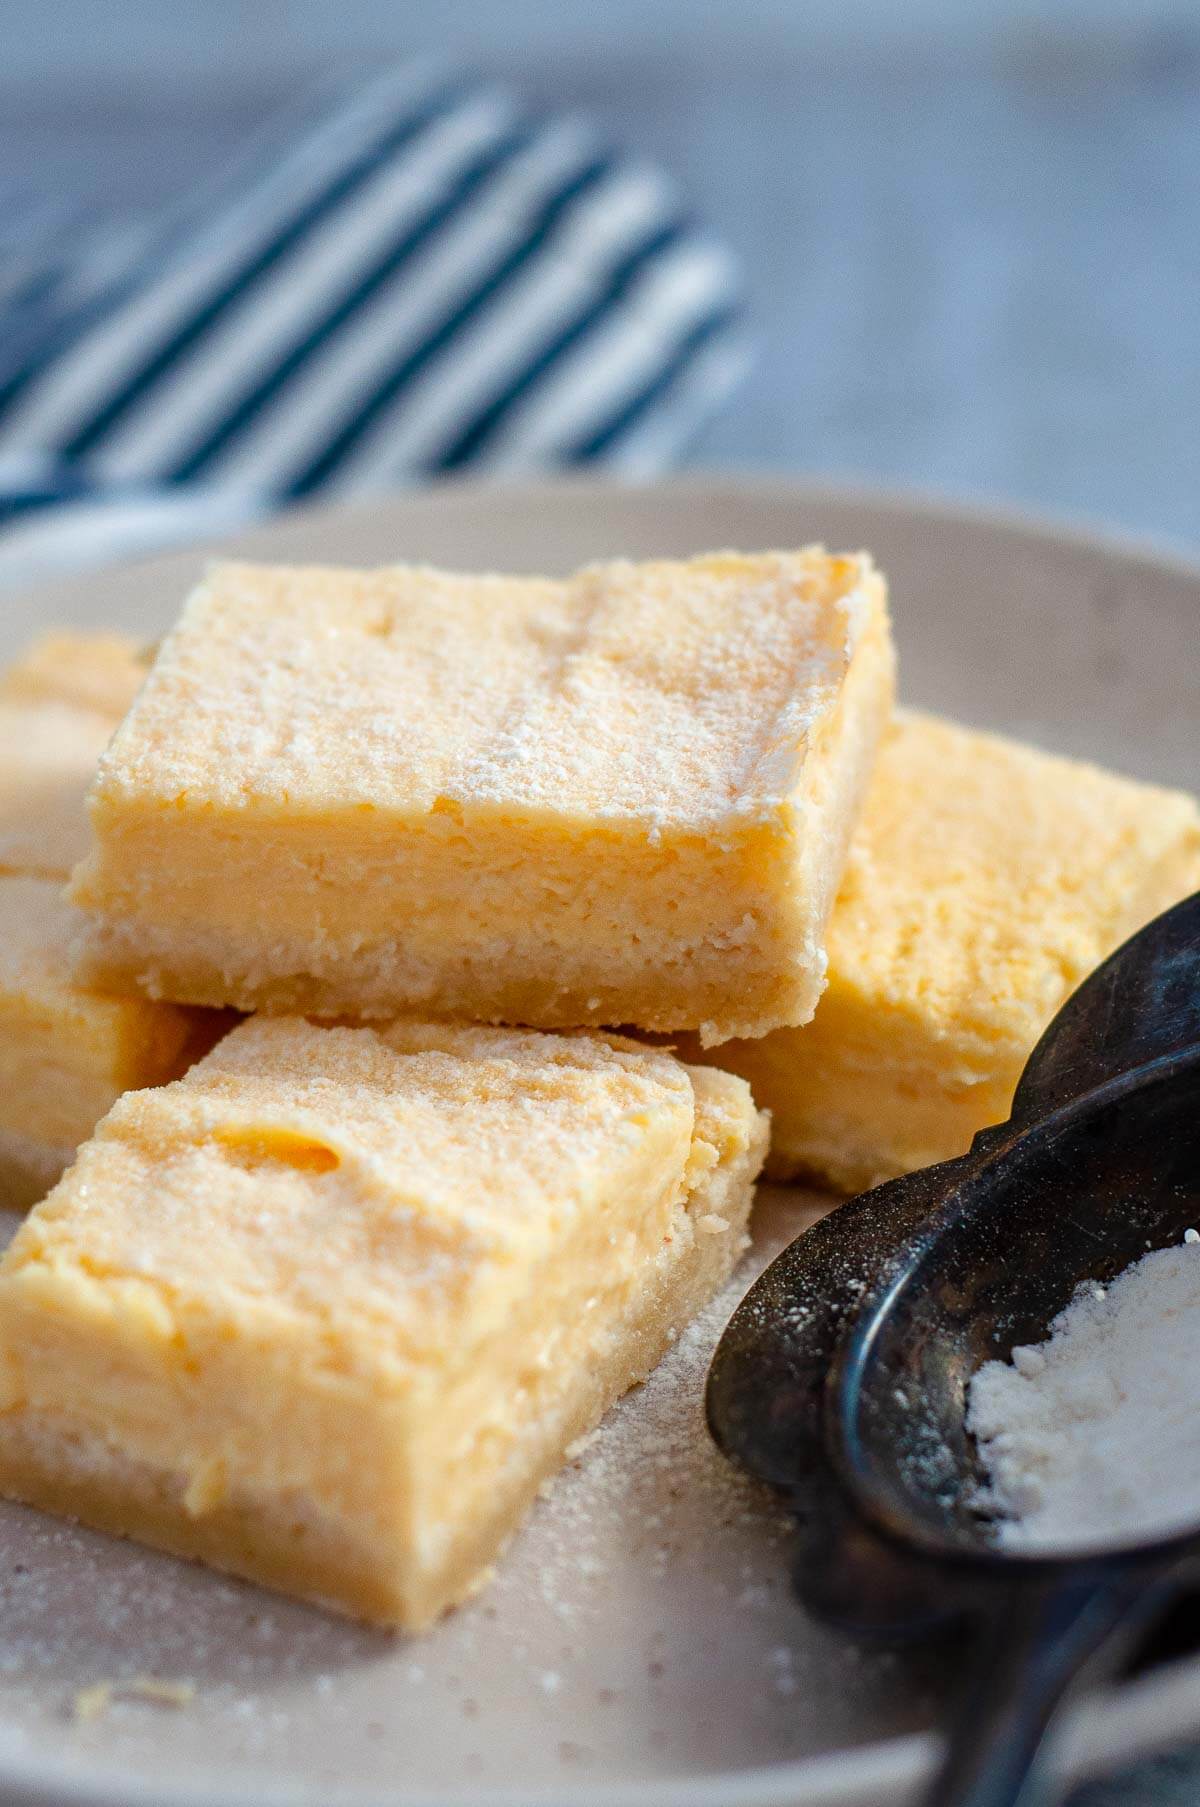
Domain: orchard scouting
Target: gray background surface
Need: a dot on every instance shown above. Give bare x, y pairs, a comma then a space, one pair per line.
972, 232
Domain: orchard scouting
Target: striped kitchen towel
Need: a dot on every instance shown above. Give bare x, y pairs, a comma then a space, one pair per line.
409, 278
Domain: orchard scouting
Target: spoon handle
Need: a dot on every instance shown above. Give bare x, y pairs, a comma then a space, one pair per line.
1033, 1651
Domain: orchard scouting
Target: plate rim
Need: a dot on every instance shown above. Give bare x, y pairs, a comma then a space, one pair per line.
1076, 530
1124, 1721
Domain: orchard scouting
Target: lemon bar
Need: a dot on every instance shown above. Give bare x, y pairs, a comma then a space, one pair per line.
67, 1053
986, 880
327, 1311
99, 673
625, 798
59, 704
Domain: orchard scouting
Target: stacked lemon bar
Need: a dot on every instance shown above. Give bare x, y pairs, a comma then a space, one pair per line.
985, 881
326, 1310
67, 1049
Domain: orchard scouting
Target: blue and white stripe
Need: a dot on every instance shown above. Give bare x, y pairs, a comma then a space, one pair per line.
412, 279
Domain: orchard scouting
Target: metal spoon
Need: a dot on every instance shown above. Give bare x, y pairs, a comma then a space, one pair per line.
842, 1377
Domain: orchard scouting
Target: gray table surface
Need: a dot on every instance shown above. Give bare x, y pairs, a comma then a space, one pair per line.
973, 253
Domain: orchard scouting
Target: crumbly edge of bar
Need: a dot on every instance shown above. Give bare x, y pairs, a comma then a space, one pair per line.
834, 788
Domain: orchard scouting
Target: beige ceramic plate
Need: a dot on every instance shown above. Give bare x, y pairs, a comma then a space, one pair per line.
639, 1644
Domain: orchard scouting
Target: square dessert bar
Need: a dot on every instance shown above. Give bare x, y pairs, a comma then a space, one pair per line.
625, 798
327, 1311
985, 882
59, 704
66, 1052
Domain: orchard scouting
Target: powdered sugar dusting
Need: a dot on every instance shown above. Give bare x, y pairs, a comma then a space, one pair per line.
685, 694
385, 1227
669, 692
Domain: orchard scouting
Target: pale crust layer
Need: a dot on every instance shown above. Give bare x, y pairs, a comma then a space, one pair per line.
626, 798
423, 1279
986, 880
